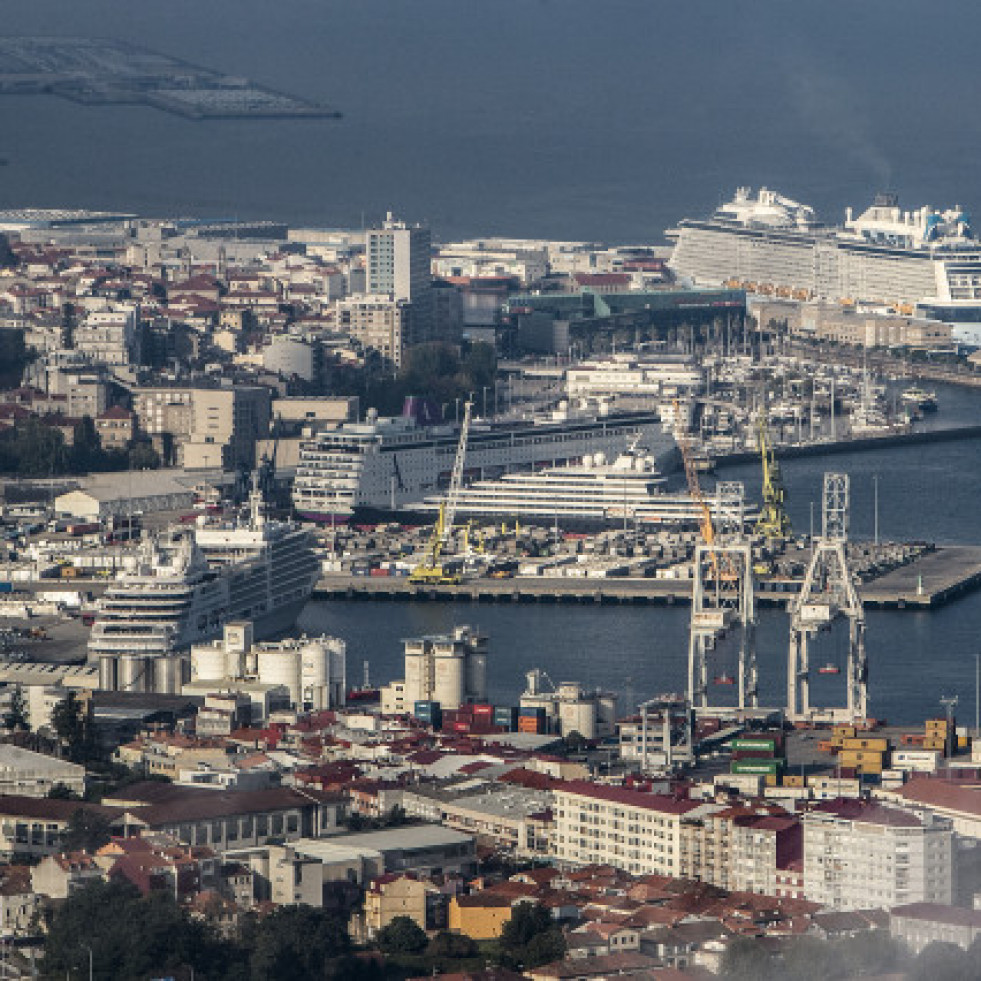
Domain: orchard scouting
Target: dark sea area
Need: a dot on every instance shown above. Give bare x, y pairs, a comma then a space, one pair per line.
575, 120
570, 119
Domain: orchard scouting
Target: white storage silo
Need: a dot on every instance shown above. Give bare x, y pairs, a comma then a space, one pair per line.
133, 672
279, 664
108, 672
209, 662
450, 670
314, 674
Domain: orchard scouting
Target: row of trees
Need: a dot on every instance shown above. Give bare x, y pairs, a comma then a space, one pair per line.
136, 937
437, 371
32, 448
873, 953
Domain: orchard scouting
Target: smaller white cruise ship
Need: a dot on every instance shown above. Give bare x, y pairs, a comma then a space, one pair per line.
190, 581
594, 493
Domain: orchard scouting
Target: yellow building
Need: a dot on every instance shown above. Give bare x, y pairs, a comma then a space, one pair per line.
389, 896
479, 917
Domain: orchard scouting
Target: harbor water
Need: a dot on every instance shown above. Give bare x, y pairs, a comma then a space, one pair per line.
925, 492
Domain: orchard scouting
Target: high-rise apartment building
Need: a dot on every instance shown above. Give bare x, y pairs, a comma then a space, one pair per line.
399, 265
859, 855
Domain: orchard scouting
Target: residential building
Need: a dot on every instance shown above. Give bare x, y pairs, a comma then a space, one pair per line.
389, 896
32, 827
109, 336
31, 774
377, 322
481, 916
956, 798
920, 924
628, 829
59, 876
398, 264
511, 818
859, 854
116, 428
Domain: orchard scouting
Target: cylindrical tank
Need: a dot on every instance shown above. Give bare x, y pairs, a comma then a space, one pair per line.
476, 675
449, 689
314, 673
132, 673
108, 672
209, 662
578, 716
280, 665
167, 674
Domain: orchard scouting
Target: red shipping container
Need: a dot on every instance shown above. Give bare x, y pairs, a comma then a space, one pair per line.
461, 726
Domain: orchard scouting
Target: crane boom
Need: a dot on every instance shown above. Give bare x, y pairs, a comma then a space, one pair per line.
456, 479
430, 570
691, 474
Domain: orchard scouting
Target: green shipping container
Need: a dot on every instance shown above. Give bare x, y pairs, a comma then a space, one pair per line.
767, 745
768, 768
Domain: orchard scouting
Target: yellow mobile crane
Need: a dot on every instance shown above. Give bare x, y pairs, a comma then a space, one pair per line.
430, 571
773, 522
691, 473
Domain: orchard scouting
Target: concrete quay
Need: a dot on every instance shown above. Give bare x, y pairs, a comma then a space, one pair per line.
929, 582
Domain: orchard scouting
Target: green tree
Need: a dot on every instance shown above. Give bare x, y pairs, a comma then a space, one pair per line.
745, 959
130, 937
396, 816
402, 936
142, 456
527, 921
451, 945
68, 722
61, 791
16, 717
88, 830
296, 943
944, 960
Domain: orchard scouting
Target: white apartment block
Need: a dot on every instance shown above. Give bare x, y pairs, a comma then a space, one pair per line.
492, 257
109, 336
628, 829
860, 855
397, 265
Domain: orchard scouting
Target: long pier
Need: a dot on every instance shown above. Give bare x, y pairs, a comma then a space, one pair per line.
849, 445
929, 582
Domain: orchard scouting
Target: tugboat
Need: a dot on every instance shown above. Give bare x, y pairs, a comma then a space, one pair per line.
920, 398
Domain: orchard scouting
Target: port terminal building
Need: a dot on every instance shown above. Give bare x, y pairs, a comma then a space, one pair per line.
555, 323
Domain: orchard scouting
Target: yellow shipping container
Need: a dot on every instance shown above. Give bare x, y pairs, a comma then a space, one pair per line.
838, 741
857, 757
936, 724
963, 742
878, 744
771, 780
793, 780
934, 743
870, 768
846, 731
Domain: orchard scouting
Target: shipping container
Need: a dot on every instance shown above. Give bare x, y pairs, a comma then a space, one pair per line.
483, 711
527, 723
745, 754
537, 713
771, 780
507, 717
762, 767
793, 780
767, 745
878, 744
825, 746
379, 572
846, 731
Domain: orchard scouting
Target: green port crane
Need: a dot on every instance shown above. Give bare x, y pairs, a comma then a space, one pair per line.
773, 522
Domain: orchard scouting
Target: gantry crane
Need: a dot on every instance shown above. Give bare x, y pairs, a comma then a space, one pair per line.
723, 590
827, 595
430, 571
773, 522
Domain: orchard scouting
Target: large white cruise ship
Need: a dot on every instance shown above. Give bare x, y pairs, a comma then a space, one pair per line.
592, 494
187, 583
387, 466
925, 258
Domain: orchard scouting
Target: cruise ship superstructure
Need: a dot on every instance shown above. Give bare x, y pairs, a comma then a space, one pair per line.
772, 244
594, 493
188, 582
387, 466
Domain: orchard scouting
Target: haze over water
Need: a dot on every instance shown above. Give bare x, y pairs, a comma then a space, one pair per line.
562, 118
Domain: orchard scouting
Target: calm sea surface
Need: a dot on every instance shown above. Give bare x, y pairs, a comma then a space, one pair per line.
564, 118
